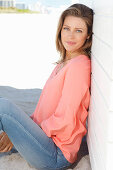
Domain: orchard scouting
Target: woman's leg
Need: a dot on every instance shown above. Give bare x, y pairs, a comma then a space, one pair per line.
29, 139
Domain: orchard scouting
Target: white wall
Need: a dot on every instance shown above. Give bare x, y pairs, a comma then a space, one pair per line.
27, 49
100, 120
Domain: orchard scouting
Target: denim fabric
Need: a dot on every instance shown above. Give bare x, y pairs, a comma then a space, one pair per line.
29, 139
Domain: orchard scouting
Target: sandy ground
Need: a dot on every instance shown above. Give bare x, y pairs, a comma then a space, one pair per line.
27, 100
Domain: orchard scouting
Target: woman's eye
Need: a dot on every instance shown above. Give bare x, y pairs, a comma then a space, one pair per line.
65, 28
78, 31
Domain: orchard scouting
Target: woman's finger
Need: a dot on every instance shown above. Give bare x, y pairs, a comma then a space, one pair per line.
2, 134
3, 150
10, 147
1, 143
5, 143
6, 148
3, 146
4, 140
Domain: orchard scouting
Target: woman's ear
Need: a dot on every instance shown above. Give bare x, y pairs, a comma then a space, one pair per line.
88, 37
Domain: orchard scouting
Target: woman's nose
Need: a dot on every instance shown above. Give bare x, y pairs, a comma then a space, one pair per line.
71, 34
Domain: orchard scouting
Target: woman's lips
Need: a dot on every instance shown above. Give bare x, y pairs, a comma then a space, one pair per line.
70, 43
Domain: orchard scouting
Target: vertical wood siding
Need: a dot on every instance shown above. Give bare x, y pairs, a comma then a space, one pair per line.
100, 119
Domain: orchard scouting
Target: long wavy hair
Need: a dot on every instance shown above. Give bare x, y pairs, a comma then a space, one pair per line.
83, 12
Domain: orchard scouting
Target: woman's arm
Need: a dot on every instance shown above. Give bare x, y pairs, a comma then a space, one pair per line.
65, 120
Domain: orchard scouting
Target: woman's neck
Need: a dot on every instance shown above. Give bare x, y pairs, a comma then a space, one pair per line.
70, 55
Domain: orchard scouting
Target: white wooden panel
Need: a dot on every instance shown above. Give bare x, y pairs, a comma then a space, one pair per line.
110, 128
103, 29
92, 154
101, 113
109, 160
102, 80
96, 126
99, 109
100, 119
103, 55
96, 135
111, 99
95, 147
103, 7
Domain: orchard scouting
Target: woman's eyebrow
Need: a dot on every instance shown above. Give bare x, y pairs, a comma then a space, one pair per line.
75, 27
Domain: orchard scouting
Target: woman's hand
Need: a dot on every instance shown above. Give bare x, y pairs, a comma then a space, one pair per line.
5, 143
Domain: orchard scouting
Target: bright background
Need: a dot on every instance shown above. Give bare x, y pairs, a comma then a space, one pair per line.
27, 48
47, 3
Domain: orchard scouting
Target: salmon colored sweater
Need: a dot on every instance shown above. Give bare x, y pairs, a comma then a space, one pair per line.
62, 108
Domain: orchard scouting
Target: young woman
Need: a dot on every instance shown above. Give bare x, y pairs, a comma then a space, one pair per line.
50, 139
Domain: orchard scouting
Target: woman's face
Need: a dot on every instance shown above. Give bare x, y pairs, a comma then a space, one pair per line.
73, 34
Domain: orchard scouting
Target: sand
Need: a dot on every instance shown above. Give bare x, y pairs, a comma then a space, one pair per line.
27, 99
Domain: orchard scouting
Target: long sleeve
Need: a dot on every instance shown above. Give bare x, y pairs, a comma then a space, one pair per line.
62, 109
66, 123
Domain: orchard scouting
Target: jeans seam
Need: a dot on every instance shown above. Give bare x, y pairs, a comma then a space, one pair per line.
22, 127
58, 168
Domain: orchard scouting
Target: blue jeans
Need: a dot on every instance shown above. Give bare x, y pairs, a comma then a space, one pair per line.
29, 139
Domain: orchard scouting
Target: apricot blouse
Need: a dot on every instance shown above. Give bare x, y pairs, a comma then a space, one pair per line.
62, 108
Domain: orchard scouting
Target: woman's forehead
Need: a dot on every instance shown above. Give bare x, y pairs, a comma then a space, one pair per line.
74, 21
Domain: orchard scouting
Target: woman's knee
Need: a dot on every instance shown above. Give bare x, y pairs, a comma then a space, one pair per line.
4, 105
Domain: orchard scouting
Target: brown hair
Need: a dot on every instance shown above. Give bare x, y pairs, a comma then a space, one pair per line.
83, 12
